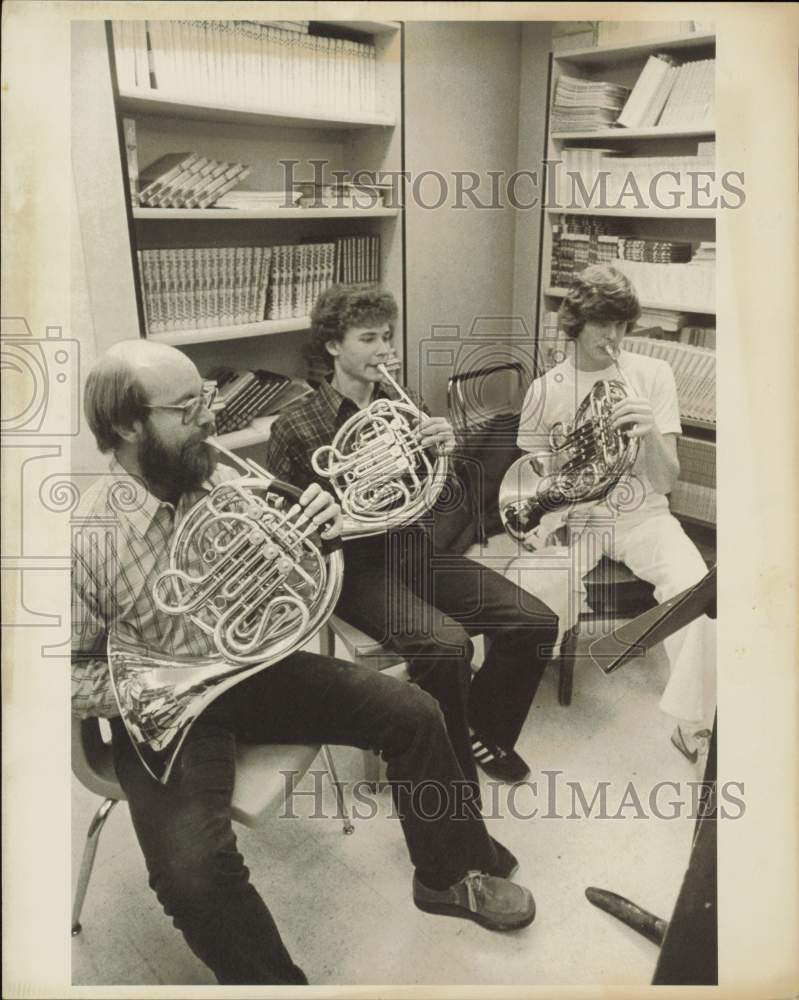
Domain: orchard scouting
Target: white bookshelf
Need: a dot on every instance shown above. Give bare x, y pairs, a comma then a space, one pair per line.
240, 215
170, 119
612, 55
622, 64
638, 213
241, 331
148, 102
635, 134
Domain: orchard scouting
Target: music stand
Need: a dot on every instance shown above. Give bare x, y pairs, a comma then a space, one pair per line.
653, 626
689, 941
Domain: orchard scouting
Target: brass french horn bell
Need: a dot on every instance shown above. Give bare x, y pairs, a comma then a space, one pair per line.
248, 571
582, 464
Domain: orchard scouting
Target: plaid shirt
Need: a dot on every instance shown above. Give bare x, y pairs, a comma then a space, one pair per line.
307, 425
121, 543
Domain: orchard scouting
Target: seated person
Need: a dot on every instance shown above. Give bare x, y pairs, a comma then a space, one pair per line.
395, 589
146, 403
633, 524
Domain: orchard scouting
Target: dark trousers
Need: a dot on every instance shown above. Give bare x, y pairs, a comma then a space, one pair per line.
425, 606
184, 828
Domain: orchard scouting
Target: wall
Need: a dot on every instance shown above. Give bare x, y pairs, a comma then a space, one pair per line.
103, 301
534, 72
463, 103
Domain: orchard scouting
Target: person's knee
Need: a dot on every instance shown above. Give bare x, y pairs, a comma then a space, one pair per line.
417, 712
192, 876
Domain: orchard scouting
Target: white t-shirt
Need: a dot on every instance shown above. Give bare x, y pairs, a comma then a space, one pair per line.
556, 396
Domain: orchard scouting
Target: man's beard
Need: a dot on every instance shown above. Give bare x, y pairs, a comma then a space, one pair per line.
176, 471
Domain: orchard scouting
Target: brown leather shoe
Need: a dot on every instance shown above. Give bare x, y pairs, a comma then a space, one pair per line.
495, 903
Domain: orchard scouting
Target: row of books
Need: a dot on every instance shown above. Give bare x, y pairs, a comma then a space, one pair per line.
246, 64
599, 178
691, 97
199, 287
186, 180
585, 105
671, 95
246, 395
698, 336
694, 373
694, 501
300, 273
358, 260
697, 461
688, 279
664, 324
204, 287
692, 286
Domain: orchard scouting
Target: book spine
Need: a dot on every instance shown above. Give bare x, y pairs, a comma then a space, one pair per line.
262, 286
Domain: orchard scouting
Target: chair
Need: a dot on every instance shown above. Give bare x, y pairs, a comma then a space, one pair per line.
259, 789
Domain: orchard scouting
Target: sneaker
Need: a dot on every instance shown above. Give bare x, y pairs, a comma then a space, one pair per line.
494, 903
497, 762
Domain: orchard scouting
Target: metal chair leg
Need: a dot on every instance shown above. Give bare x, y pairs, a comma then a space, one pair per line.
87, 861
568, 653
342, 807
371, 770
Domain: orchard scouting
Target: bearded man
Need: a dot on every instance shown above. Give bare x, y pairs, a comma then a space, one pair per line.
147, 404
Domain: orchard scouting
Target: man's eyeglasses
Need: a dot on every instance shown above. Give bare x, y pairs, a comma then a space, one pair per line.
192, 407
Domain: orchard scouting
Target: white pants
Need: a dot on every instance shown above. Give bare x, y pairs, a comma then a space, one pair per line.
657, 550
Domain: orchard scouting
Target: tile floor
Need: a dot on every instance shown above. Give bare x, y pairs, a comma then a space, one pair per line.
343, 903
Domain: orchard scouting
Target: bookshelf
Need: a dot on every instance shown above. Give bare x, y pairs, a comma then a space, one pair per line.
675, 298
240, 215
134, 102
259, 106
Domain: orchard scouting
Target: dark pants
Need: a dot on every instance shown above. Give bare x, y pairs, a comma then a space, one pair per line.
184, 828
425, 606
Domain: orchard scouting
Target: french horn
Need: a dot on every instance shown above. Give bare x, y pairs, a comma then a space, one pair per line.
248, 571
583, 464
381, 475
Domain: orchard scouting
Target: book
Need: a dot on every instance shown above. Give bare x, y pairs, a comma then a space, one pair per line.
132, 157
649, 85
173, 189
222, 184
254, 200
161, 171
205, 169
262, 65
586, 105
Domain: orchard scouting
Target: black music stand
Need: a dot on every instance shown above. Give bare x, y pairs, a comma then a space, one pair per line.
689, 941
653, 626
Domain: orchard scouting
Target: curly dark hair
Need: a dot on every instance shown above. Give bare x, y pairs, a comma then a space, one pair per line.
600, 293
342, 307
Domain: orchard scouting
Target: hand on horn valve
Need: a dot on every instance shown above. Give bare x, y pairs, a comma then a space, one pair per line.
437, 432
634, 411
321, 509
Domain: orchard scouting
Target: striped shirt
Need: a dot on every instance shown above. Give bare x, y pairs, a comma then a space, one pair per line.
121, 539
